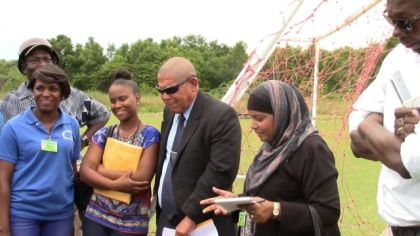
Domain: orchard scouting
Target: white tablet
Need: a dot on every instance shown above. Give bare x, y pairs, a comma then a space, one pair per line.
232, 204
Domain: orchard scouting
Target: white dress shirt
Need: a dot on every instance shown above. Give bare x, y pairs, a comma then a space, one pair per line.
169, 143
398, 199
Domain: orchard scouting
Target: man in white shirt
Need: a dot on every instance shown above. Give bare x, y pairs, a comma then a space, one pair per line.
381, 130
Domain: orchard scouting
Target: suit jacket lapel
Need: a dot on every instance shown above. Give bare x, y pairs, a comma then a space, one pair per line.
193, 122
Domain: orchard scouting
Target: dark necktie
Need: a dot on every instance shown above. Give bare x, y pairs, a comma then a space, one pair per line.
168, 202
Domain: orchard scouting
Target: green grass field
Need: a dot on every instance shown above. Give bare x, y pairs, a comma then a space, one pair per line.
357, 177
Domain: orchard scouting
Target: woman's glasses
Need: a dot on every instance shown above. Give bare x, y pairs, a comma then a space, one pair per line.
172, 89
403, 24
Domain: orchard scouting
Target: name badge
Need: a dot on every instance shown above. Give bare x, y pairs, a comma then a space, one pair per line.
49, 146
241, 221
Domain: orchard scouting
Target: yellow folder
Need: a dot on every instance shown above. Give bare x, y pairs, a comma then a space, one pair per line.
121, 156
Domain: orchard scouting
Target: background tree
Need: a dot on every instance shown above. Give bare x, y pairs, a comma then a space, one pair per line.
64, 47
217, 65
90, 58
10, 77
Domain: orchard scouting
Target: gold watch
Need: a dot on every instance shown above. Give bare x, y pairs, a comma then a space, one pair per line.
276, 210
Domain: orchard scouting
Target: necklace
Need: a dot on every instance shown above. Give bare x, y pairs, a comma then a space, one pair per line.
130, 138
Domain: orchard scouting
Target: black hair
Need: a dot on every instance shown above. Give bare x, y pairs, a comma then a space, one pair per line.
51, 73
125, 78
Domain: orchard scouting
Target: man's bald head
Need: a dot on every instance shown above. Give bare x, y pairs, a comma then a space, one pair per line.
177, 84
179, 68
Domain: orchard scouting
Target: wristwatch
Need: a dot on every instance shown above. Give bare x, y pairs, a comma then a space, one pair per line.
276, 210
84, 141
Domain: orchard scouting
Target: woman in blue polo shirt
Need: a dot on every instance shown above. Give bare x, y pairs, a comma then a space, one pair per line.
37, 161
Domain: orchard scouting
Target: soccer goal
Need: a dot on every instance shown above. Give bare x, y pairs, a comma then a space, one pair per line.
329, 50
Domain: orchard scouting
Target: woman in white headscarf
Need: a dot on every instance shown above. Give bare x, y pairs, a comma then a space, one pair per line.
293, 170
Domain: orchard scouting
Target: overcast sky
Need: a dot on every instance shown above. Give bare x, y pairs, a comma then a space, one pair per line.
125, 21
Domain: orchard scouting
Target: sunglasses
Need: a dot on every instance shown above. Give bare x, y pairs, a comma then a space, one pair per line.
404, 24
172, 89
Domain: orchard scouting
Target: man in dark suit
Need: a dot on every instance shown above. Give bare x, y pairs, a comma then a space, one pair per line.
207, 154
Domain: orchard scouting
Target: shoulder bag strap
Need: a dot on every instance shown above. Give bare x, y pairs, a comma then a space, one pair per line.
110, 130
317, 222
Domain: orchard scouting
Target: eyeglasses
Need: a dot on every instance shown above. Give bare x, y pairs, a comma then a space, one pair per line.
172, 89
404, 24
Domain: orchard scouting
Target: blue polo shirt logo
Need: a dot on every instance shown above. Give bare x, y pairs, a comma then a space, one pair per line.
67, 134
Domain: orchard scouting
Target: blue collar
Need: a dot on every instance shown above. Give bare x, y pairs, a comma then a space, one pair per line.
32, 119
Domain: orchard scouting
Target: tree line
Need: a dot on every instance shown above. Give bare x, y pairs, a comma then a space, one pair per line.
91, 67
